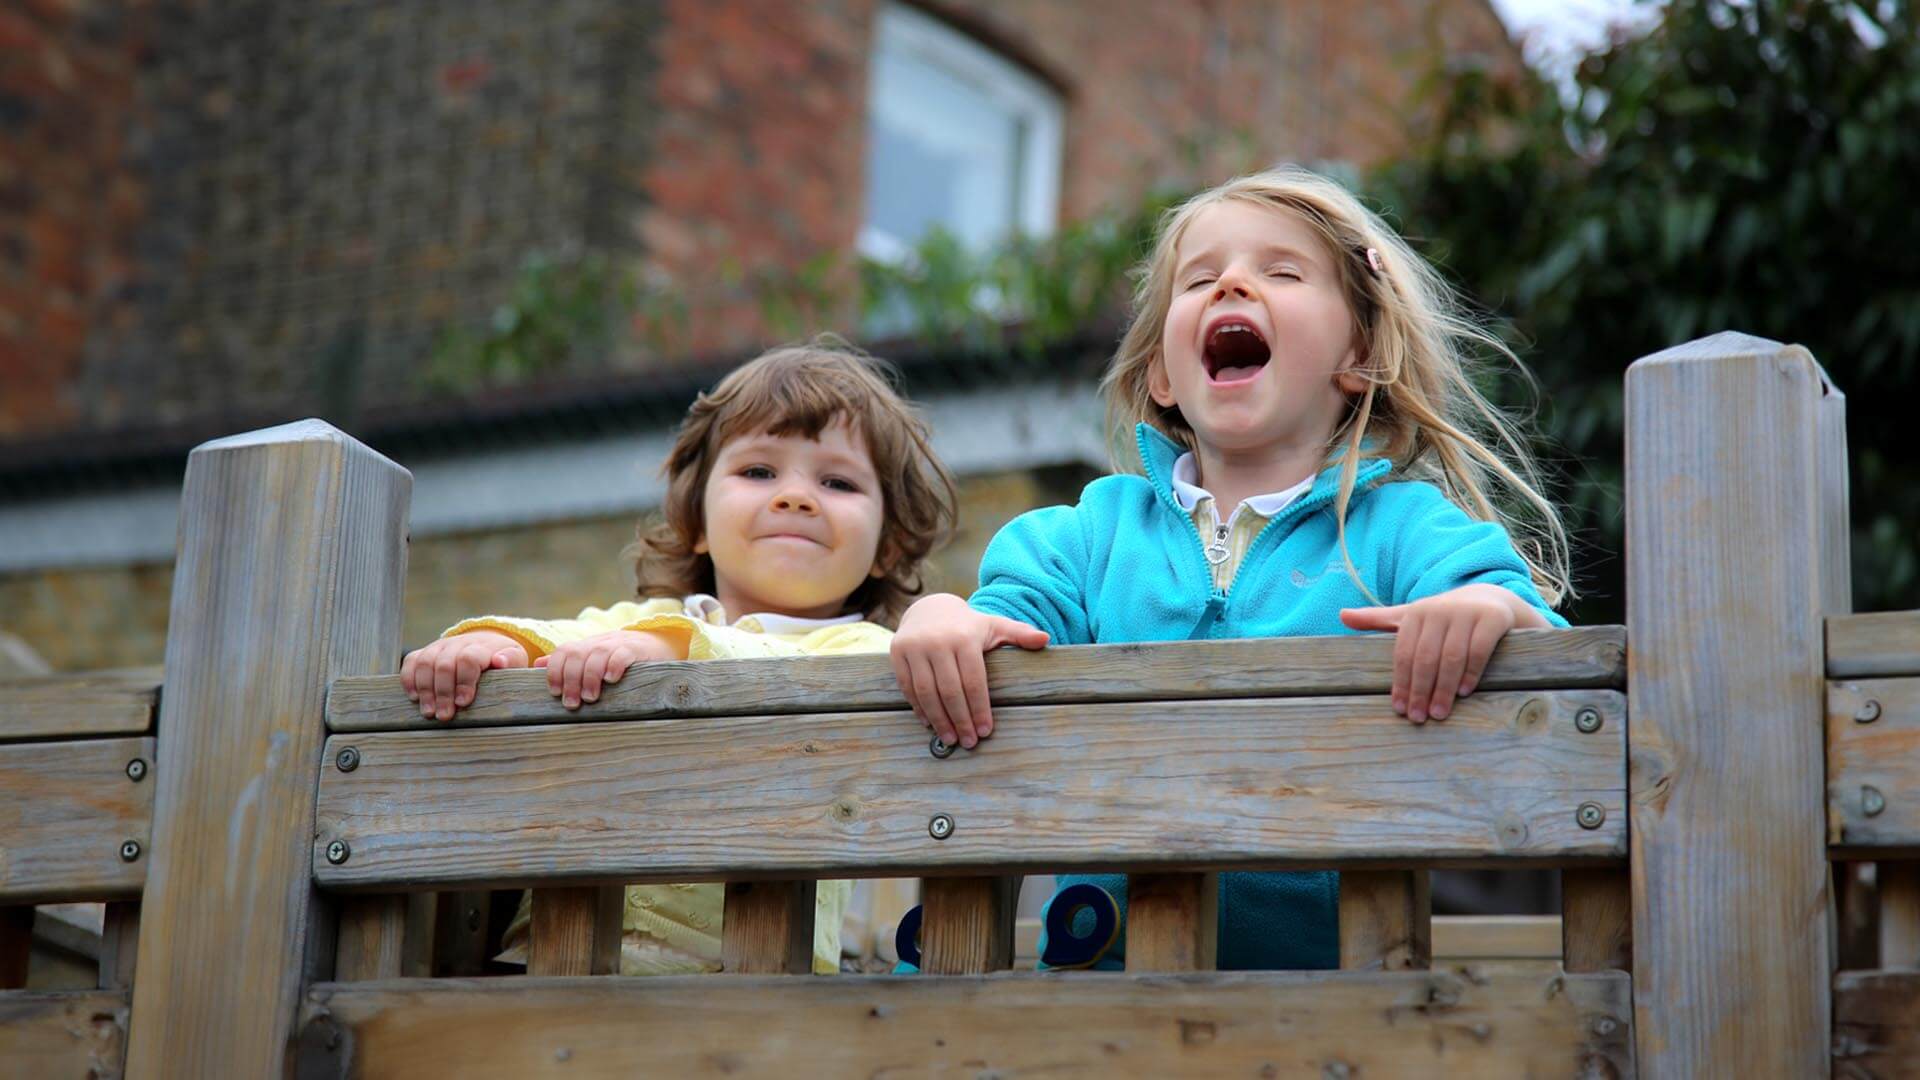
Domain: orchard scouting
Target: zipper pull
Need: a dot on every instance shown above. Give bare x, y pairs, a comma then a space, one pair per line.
1217, 551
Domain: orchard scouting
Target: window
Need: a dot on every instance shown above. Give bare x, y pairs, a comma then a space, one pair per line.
958, 137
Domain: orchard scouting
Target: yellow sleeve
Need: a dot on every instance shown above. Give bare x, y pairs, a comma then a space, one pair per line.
705, 641
860, 637
541, 636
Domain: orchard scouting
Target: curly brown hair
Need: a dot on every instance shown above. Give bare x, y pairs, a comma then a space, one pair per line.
802, 390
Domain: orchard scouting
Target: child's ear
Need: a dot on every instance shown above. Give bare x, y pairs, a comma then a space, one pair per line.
700, 544
883, 559
1159, 387
1351, 381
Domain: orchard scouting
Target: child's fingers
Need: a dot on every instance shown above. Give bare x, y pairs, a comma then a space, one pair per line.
619, 658
903, 674
445, 677
557, 668
570, 669
1003, 631
927, 690
541, 661
973, 685
591, 669
407, 664
1404, 641
467, 665
1452, 667
1386, 619
1486, 637
953, 697
1426, 660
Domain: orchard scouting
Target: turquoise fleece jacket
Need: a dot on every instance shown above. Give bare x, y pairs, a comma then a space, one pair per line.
1126, 564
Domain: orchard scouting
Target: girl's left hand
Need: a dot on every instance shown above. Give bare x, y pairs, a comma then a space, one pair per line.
1441, 644
577, 669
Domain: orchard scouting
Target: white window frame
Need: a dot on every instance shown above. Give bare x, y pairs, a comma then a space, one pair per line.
930, 41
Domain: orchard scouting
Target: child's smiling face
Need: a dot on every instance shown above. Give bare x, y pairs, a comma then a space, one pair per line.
1259, 339
792, 524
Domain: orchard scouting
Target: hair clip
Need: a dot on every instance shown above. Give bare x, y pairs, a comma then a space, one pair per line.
1373, 261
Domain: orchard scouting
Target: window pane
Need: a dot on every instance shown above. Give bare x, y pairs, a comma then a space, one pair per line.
940, 152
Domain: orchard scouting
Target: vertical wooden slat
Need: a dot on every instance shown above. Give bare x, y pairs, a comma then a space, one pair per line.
1172, 922
1386, 920
16, 945
119, 944
1596, 920
1856, 915
966, 924
418, 939
291, 557
767, 928
575, 931
1736, 524
1900, 914
372, 937
460, 933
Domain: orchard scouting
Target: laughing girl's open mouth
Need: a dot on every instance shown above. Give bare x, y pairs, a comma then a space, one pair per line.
1234, 352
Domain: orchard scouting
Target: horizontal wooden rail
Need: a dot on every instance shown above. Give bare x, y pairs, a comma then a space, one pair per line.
1876, 1023
78, 1033
1878, 643
1211, 1024
1142, 786
1873, 766
75, 821
119, 702
1590, 657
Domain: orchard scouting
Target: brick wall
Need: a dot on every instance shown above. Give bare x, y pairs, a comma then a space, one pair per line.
248, 207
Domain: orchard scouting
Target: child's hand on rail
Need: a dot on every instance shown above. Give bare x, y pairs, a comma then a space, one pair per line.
442, 676
577, 669
939, 656
1442, 643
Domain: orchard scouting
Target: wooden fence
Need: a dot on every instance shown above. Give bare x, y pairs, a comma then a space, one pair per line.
292, 854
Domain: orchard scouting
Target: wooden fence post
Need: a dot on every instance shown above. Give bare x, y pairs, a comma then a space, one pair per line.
1736, 498
1386, 920
291, 559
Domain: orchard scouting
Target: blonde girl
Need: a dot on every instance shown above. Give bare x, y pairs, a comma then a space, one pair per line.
802, 500
1313, 457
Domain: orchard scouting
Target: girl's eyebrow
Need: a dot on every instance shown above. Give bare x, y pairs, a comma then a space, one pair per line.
1268, 251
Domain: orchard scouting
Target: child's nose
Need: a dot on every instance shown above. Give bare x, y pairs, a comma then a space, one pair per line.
1231, 284
798, 502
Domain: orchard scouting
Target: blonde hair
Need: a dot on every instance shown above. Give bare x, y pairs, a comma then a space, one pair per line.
802, 390
1419, 351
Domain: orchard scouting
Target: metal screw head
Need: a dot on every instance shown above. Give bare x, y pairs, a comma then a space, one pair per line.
1867, 713
1871, 801
940, 827
137, 770
348, 759
939, 749
129, 850
1591, 815
338, 851
1587, 720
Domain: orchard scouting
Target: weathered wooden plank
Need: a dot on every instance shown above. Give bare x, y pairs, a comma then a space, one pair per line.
575, 931
119, 945
1876, 1024
1873, 644
1587, 657
1732, 567
291, 557
1173, 922
1873, 765
81, 705
72, 1033
420, 935
1900, 915
372, 937
1012, 1024
1386, 920
966, 924
1495, 937
66, 811
1173, 786
1597, 920
766, 928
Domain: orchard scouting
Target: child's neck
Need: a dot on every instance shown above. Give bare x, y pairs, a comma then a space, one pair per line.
1232, 477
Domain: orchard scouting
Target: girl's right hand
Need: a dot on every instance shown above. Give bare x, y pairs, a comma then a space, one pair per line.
939, 656
442, 676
